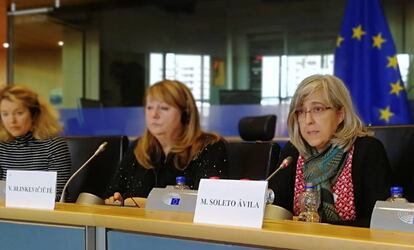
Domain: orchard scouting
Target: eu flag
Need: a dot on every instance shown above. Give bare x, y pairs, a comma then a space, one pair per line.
366, 60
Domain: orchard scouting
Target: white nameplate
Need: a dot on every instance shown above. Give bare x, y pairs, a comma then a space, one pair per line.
231, 202
31, 189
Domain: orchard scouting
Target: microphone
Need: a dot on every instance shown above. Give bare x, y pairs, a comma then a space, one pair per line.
282, 165
100, 149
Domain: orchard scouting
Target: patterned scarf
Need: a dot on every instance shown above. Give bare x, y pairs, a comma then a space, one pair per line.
322, 169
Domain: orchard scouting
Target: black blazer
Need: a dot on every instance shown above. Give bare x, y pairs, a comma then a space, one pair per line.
371, 176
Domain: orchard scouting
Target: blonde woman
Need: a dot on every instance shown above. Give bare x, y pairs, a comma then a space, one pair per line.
331, 149
29, 135
172, 145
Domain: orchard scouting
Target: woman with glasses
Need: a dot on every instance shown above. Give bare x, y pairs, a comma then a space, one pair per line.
331, 149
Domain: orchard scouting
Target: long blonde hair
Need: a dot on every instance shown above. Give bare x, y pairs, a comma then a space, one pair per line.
337, 95
45, 118
192, 139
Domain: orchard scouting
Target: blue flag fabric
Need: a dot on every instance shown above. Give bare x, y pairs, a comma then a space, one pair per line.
366, 60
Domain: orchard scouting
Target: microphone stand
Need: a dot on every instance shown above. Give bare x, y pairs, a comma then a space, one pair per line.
270, 195
283, 165
98, 151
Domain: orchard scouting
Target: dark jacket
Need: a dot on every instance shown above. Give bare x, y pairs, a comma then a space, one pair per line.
133, 180
371, 176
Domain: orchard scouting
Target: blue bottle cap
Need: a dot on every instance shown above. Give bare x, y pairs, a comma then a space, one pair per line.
396, 190
309, 185
180, 179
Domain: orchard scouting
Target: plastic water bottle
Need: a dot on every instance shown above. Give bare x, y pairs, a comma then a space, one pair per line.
269, 196
180, 183
309, 202
396, 195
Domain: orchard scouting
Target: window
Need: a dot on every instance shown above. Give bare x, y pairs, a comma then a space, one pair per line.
282, 74
193, 70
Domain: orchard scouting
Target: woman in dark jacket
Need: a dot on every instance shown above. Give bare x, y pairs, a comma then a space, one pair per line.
172, 145
331, 149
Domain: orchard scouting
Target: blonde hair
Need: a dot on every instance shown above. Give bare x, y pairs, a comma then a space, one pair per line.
192, 139
336, 95
44, 117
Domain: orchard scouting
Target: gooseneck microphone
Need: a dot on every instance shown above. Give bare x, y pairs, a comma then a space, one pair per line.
100, 149
282, 165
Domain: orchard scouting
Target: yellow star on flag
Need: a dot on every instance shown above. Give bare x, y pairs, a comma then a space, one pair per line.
392, 62
358, 32
339, 40
378, 41
386, 114
396, 88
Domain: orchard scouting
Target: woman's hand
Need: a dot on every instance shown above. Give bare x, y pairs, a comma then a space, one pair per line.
116, 199
135, 202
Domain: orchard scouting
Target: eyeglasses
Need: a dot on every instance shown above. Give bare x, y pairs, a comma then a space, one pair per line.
316, 112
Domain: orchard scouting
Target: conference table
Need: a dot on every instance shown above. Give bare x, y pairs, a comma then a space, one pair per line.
74, 226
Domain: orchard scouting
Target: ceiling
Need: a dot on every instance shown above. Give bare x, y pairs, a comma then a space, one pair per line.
33, 31
40, 31
36, 32
28, 4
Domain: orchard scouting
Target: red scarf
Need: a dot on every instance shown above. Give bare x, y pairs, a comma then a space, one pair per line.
343, 189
